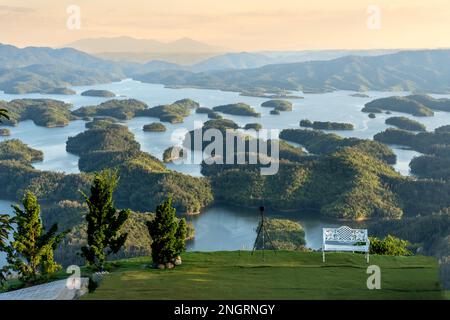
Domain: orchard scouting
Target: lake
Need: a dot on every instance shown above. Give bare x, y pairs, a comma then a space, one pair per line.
217, 228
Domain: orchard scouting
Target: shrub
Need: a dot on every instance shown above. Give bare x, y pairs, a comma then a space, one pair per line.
389, 246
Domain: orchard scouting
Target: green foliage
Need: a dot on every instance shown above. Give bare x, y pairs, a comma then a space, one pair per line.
167, 234
280, 105
98, 93
154, 127
203, 110
238, 109
405, 124
389, 246
371, 110
348, 184
406, 104
104, 221
431, 167
119, 109
284, 235
319, 142
3, 114
43, 112
100, 123
31, 250
16, 150
5, 228
254, 126
326, 125
214, 115
172, 153
173, 113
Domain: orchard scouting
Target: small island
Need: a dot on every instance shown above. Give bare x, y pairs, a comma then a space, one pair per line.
172, 113
359, 95
413, 105
253, 126
274, 112
237, 109
280, 105
372, 115
5, 132
326, 125
405, 124
203, 110
98, 93
154, 127
172, 154
214, 115
115, 108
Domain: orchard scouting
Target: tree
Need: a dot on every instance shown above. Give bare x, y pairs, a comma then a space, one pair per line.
31, 251
104, 221
3, 114
168, 235
5, 228
180, 236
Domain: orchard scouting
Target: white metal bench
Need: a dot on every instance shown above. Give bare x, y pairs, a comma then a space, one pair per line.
345, 239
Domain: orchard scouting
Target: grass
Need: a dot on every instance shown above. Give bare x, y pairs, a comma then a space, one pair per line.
282, 275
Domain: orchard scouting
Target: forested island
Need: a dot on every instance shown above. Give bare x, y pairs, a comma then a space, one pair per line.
280, 105
5, 132
326, 125
406, 124
43, 112
416, 105
98, 93
154, 127
435, 163
238, 109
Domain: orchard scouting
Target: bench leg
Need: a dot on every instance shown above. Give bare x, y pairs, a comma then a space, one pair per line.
323, 255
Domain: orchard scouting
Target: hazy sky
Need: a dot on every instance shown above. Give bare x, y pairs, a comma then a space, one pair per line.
235, 24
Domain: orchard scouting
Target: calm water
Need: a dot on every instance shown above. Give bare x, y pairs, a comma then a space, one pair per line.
218, 228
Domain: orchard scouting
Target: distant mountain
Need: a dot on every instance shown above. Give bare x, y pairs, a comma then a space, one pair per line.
132, 45
421, 70
40, 69
242, 60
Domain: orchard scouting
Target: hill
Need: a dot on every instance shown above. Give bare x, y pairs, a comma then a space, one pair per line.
421, 70
41, 69
283, 275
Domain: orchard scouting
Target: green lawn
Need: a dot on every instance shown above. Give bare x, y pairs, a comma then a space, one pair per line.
283, 275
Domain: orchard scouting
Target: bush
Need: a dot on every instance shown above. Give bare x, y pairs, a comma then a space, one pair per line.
389, 246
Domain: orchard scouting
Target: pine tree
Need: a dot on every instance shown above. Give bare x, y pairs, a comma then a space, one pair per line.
104, 221
31, 251
168, 235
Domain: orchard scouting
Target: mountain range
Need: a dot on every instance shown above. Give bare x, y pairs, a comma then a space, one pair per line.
41, 69
415, 70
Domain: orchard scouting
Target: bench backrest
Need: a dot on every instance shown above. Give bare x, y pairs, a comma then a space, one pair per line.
344, 234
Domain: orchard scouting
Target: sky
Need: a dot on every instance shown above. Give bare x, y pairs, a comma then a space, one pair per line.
237, 25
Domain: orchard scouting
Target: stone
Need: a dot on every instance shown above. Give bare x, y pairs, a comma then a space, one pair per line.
177, 261
161, 266
170, 265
